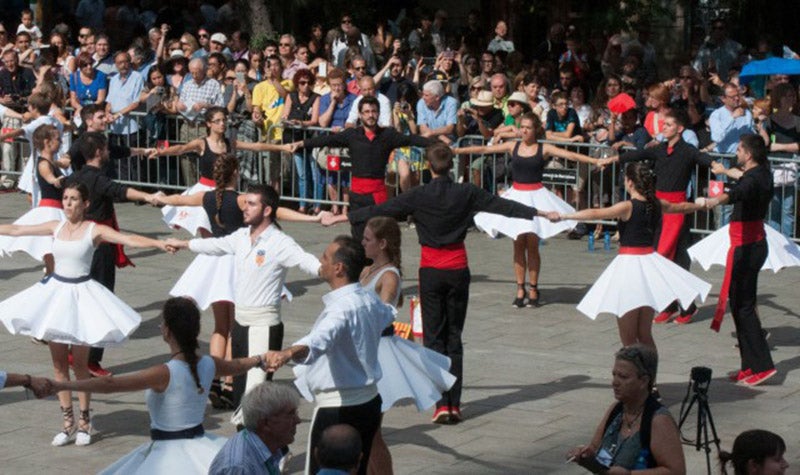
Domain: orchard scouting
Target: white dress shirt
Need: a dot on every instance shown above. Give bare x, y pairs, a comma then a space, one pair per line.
343, 343
261, 266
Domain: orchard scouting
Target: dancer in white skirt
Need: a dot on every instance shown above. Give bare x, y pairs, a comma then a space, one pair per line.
68, 307
210, 279
639, 281
176, 398
713, 249
194, 218
46, 140
528, 160
410, 371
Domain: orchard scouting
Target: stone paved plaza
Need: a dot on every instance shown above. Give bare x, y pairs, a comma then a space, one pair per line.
537, 381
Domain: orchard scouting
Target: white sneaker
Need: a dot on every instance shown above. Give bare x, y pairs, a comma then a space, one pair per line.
63, 438
83, 438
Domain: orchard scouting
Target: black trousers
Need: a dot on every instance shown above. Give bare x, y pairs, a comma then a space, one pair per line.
240, 348
358, 200
444, 295
753, 347
365, 418
103, 271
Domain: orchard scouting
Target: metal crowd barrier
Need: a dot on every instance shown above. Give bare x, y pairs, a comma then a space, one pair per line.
321, 176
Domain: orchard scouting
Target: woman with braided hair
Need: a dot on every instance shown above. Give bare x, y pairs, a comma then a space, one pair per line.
639, 280
175, 393
209, 280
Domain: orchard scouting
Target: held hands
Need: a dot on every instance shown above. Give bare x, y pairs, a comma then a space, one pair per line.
276, 359
553, 216
324, 216
718, 168
41, 387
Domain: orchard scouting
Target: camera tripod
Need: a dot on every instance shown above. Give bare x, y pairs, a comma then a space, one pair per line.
697, 392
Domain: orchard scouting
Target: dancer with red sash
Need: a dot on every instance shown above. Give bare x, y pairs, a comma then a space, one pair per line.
102, 193
46, 140
528, 160
639, 280
673, 163
748, 250
370, 148
442, 211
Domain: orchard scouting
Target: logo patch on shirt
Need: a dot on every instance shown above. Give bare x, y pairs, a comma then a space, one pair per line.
260, 257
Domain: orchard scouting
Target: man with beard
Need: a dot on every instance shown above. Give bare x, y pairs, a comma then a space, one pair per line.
370, 147
263, 255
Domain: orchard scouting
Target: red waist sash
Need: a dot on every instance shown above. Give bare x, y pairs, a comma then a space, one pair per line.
50, 203
527, 186
636, 251
370, 186
741, 233
449, 257
671, 224
207, 181
120, 258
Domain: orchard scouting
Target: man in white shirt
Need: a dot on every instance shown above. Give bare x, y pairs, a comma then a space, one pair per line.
263, 255
337, 362
367, 87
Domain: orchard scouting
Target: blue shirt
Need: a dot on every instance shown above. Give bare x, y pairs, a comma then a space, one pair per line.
557, 124
121, 94
443, 116
87, 94
341, 112
725, 130
243, 454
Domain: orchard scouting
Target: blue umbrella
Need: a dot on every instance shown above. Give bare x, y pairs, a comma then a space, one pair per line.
769, 66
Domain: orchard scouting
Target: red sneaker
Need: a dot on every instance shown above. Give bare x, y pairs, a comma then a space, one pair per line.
441, 415
759, 378
663, 317
685, 318
70, 360
455, 415
98, 371
737, 376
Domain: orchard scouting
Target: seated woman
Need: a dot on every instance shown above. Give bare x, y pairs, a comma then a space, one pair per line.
755, 452
175, 394
637, 432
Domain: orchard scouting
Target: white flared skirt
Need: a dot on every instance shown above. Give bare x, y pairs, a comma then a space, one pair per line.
631, 281
411, 372
190, 218
541, 199
169, 457
85, 313
35, 246
27, 183
713, 249
208, 279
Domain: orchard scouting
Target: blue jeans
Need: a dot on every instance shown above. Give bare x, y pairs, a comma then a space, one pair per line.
781, 211
307, 174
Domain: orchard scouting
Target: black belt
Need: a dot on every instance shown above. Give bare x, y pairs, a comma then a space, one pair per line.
157, 434
388, 331
68, 280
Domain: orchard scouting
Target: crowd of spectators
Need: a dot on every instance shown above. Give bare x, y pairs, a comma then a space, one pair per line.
431, 78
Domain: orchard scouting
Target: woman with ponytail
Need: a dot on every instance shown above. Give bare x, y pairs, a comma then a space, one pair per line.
209, 280
639, 280
175, 393
755, 452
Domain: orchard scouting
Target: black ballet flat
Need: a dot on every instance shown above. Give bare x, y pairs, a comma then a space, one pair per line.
534, 302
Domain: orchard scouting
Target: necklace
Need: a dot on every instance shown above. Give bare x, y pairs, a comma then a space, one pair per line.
629, 423
175, 354
374, 268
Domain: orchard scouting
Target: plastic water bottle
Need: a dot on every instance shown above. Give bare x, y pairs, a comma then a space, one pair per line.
591, 242
606, 241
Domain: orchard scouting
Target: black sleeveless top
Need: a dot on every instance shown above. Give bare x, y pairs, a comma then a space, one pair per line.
230, 215
300, 111
640, 229
208, 158
527, 169
49, 191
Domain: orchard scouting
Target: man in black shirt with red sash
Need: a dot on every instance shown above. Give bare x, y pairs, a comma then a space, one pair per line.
673, 163
750, 198
442, 211
102, 193
370, 147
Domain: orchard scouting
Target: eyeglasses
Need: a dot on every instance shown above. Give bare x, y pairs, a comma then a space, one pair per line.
475, 88
561, 104
285, 44
227, 78
83, 35
734, 96
302, 83
202, 35
215, 65
346, 21
360, 68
